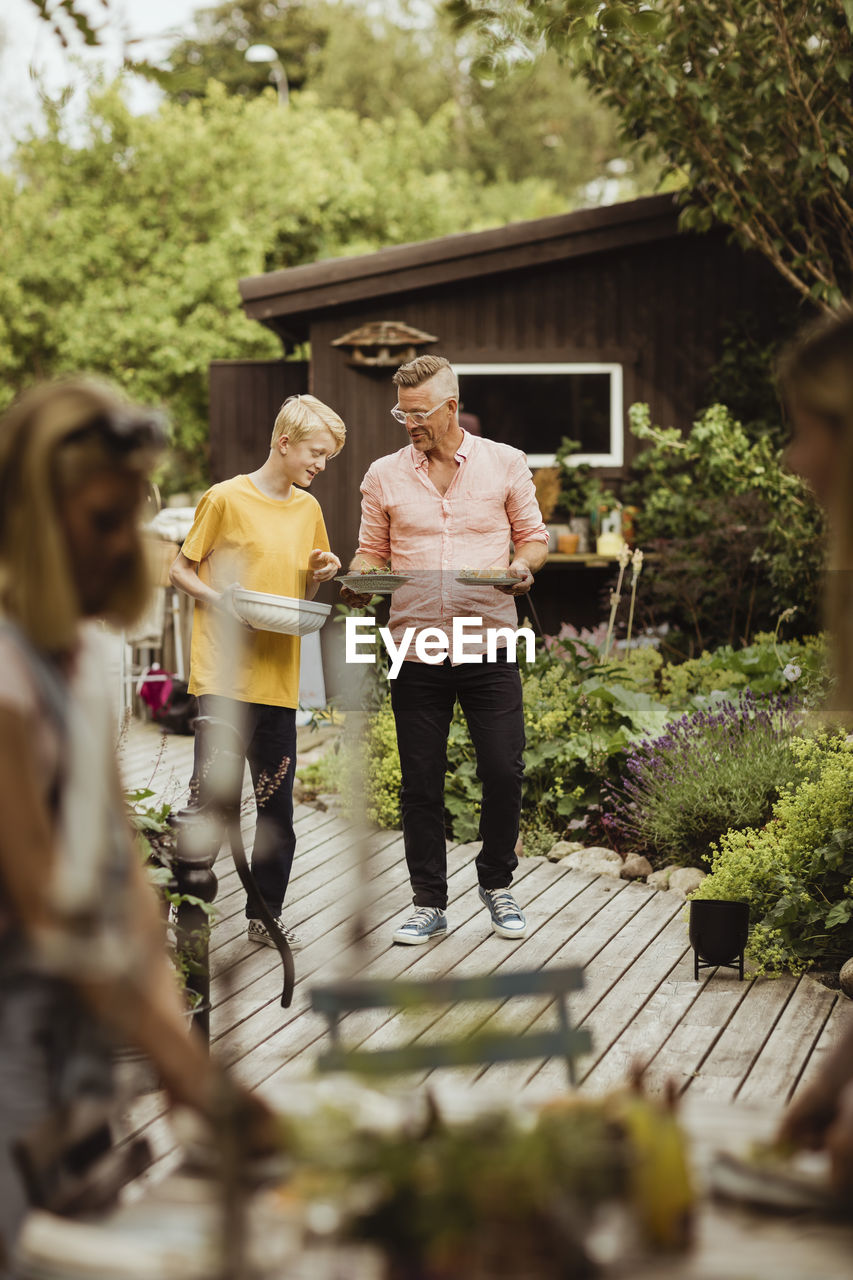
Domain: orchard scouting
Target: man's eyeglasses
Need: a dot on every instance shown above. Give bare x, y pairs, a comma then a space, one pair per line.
419, 419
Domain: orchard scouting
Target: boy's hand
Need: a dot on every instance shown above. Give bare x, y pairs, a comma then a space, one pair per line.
323, 565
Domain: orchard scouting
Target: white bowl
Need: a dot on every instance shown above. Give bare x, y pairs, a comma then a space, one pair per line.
285, 614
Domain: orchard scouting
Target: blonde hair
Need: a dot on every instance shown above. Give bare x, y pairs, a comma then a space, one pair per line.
303, 415
815, 376
51, 440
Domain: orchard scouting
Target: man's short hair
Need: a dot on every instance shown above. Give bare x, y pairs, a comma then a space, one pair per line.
422, 368
302, 416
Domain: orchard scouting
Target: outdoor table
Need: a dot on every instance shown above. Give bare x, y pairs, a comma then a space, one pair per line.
732, 1243
735, 1243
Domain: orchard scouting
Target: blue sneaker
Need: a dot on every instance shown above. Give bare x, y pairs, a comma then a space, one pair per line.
507, 917
426, 923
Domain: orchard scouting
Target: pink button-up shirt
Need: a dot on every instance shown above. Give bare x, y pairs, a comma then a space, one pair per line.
432, 536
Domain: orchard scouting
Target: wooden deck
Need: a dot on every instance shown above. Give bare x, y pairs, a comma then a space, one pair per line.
754, 1041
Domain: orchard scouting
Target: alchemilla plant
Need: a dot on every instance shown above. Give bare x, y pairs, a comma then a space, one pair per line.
796, 872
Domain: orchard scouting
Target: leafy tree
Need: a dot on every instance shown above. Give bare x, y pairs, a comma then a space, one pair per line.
535, 121
296, 29
65, 16
125, 236
749, 100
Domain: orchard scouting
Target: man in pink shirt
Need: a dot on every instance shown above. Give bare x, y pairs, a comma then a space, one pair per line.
450, 501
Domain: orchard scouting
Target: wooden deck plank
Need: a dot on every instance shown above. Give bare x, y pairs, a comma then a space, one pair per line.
703, 1021
615, 983
615, 1014
546, 892
732, 1057
319, 880
375, 956
838, 1024
784, 1055
594, 915
672, 992
324, 935
329, 954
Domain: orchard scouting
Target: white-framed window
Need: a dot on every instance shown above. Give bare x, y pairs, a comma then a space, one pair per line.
532, 406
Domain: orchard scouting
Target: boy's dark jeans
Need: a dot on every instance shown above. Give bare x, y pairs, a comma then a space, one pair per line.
269, 738
423, 697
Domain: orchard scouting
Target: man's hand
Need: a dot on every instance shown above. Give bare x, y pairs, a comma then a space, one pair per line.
323, 565
519, 569
354, 599
358, 599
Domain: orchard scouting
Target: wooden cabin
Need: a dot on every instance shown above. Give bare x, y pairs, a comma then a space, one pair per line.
556, 326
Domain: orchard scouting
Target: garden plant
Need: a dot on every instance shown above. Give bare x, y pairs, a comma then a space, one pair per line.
796, 871
720, 768
583, 716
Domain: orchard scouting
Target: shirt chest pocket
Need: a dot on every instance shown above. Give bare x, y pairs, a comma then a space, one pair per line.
415, 517
483, 512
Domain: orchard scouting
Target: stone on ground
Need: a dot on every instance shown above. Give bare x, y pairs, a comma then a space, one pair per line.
597, 861
685, 880
636, 867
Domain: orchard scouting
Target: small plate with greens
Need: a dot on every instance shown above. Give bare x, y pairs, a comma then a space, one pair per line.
372, 581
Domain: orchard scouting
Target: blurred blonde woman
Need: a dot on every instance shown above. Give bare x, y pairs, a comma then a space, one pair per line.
82, 956
816, 381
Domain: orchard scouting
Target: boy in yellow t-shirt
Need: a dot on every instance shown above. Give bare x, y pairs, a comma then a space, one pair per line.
263, 532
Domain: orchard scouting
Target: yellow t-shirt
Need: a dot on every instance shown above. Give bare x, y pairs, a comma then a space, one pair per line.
241, 535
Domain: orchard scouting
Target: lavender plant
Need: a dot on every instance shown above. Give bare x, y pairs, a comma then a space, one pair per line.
717, 770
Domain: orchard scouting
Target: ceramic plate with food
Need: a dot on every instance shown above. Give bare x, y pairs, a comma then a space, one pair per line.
487, 578
373, 582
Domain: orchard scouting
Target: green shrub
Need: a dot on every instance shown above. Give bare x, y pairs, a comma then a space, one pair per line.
578, 721
738, 538
760, 666
322, 777
796, 872
381, 770
581, 718
720, 768
537, 833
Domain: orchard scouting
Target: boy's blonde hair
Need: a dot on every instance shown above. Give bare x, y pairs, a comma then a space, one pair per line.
300, 416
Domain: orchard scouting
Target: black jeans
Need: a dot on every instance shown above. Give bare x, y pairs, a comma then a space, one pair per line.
423, 698
268, 738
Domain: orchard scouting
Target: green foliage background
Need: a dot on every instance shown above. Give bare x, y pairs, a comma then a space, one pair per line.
749, 104
739, 539
580, 716
122, 247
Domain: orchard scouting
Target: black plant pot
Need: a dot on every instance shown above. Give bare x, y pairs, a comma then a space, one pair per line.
718, 934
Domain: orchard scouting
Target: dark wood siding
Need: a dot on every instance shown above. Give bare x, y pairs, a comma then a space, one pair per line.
245, 396
659, 310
